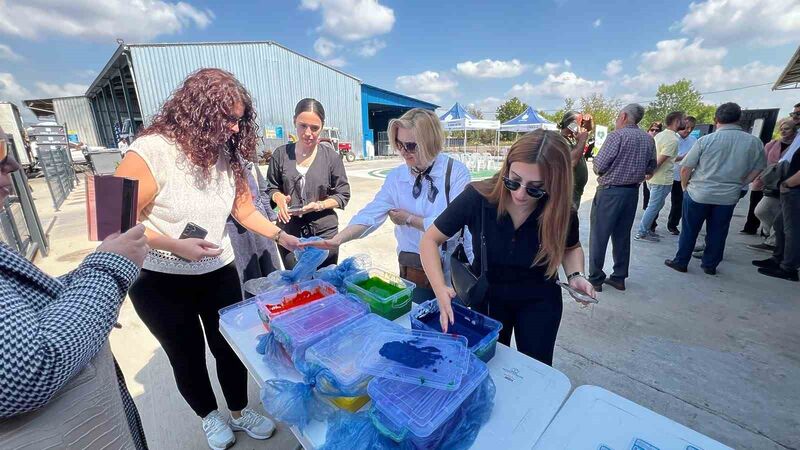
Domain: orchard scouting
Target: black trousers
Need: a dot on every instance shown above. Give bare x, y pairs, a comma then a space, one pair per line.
173, 307
532, 313
753, 224
676, 200
613, 212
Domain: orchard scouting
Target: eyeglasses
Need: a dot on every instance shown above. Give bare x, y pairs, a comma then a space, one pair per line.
408, 147
655, 130
795, 114
534, 192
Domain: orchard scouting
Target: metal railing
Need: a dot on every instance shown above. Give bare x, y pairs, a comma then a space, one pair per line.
20, 227
52, 148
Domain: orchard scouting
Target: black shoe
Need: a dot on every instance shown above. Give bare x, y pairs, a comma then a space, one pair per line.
673, 265
767, 263
616, 284
674, 231
710, 270
598, 287
762, 247
778, 272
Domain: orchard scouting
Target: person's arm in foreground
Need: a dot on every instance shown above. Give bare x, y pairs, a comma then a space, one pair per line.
248, 216
574, 262
429, 247
43, 350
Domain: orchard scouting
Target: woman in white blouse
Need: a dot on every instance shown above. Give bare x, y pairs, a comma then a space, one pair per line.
413, 195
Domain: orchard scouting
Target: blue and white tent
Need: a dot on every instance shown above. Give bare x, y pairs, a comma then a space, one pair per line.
455, 113
458, 119
529, 120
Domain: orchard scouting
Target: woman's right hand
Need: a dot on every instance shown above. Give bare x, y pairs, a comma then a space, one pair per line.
194, 249
444, 297
131, 244
283, 206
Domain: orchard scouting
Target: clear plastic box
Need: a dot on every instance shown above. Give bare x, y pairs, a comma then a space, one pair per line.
387, 295
417, 357
420, 414
481, 331
300, 328
278, 301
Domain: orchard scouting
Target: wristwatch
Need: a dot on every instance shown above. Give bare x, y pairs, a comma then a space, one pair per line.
574, 275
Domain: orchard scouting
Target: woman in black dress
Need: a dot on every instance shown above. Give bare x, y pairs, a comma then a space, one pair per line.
530, 229
306, 180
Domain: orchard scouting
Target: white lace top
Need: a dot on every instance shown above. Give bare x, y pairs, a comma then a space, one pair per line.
184, 196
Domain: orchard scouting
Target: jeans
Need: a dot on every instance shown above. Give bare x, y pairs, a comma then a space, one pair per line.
718, 218
676, 205
787, 231
613, 213
766, 211
658, 194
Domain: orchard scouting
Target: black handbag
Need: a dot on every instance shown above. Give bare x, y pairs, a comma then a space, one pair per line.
470, 289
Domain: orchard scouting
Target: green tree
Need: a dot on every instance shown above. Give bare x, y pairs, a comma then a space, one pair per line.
603, 110
484, 137
556, 116
678, 96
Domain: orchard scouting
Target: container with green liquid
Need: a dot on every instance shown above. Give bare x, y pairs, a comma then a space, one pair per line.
387, 295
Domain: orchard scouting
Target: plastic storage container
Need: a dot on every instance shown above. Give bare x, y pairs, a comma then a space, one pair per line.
481, 331
276, 302
387, 295
417, 357
419, 414
336, 358
298, 329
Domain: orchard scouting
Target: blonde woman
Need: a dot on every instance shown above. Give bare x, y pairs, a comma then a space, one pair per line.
413, 195
531, 229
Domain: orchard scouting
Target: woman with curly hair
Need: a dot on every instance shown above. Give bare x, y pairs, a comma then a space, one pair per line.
190, 163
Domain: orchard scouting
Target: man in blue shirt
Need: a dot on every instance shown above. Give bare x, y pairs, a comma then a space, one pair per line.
684, 145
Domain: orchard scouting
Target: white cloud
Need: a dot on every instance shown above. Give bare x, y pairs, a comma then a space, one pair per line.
487, 106
352, 20
552, 67
370, 48
597, 23
135, 20
613, 68
565, 84
489, 68
324, 47
428, 85
47, 90
7, 53
337, 62
11, 90
753, 22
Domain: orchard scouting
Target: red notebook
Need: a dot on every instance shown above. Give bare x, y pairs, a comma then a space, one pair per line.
111, 204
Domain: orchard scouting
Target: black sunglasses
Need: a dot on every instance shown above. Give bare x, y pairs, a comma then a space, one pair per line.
795, 114
408, 147
534, 192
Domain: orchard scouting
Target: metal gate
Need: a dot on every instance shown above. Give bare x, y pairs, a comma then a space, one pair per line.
53, 155
382, 147
20, 227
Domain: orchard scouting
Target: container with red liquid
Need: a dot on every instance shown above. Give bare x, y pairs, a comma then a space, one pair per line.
276, 302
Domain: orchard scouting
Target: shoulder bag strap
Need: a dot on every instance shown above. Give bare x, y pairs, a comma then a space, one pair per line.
447, 177
484, 261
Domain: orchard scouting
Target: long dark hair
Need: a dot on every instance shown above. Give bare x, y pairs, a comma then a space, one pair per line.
198, 115
310, 105
550, 151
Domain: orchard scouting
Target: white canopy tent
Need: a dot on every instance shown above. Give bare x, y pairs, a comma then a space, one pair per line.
528, 121
458, 119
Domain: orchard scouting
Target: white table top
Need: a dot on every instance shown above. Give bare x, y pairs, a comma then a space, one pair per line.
529, 393
596, 419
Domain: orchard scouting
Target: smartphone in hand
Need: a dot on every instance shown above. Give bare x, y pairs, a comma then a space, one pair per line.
576, 294
192, 230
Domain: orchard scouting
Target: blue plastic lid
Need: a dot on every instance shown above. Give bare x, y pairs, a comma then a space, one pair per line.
418, 357
307, 324
338, 353
421, 410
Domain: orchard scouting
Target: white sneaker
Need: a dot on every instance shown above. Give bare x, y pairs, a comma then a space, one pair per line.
254, 424
218, 432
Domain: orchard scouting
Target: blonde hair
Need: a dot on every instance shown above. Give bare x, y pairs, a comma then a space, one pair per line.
550, 151
427, 130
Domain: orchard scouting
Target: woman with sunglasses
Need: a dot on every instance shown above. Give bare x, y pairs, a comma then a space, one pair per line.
306, 180
413, 195
530, 230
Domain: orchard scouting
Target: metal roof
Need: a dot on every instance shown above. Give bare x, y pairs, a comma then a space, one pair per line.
368, 87
790, 78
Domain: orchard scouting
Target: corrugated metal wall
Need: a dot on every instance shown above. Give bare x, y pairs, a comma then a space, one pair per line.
276, 78
76, 113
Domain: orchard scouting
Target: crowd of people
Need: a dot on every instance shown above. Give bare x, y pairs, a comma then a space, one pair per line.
210, 221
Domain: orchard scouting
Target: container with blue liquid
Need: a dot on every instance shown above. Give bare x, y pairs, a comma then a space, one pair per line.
480, 331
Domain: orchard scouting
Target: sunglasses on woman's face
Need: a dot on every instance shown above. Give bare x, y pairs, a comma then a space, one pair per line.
534, 192
408, 147
654, 130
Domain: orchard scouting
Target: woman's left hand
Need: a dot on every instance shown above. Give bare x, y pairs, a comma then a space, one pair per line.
399, 216
312, 207
289, 242
581, 284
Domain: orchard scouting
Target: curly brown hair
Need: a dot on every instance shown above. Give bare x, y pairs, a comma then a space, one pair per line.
198, 117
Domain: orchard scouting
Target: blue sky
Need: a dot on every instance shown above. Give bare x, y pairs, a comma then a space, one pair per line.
475, 52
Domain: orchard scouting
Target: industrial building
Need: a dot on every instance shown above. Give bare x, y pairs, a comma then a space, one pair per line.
139, 77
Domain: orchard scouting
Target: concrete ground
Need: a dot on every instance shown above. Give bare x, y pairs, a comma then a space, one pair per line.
718, 354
